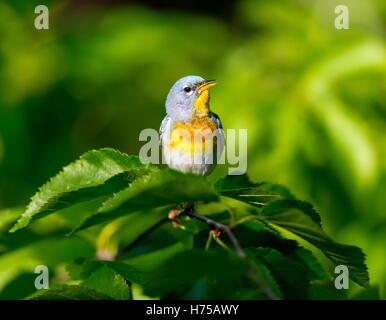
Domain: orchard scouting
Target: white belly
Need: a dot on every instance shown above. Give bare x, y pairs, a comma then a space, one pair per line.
197, 163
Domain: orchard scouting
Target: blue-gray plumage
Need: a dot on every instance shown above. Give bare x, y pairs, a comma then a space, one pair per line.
179, 103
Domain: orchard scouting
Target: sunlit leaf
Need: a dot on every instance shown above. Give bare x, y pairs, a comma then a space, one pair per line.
106, 281
96, 174
158, 188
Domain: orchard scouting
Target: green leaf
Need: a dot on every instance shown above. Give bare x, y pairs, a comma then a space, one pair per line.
265, 274
49, 252
158, 188
325, 291
133, 226
301, 223
150, 261
265, 235
96, 174
68, 293
259, 233
302, 206
233, 182
128, 272
256, 194
198, 274
371, 293
20, 287
289, 275
314, 268
83, 268
106, 281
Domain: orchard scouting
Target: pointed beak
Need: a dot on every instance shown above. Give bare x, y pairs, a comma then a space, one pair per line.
205, 85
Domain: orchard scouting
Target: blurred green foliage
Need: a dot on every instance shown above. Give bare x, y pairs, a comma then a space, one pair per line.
312, 98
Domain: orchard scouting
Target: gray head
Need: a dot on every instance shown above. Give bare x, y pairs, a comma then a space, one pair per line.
181, 97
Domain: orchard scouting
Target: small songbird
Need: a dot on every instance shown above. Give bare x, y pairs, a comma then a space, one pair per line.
192, 137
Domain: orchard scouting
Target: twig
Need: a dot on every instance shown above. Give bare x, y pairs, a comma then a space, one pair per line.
188, 210
240, 252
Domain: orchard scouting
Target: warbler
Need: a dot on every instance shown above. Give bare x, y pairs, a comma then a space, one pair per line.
191, 136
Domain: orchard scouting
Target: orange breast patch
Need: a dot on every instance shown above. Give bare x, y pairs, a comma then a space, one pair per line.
195, 136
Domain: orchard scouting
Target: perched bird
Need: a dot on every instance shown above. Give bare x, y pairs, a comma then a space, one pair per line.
192, 137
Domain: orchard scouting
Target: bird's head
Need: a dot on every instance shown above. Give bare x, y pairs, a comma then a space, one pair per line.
189, 97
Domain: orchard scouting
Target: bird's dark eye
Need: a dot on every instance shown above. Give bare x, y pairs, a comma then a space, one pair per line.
187, 89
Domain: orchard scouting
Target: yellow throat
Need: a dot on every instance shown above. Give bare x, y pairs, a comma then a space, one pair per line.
201, 105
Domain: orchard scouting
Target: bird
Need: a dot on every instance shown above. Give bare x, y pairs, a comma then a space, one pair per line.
191, 135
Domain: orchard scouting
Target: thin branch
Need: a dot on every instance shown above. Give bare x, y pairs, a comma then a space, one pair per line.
240, 252
188, 210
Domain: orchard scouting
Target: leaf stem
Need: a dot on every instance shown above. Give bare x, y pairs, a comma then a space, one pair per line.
209, 241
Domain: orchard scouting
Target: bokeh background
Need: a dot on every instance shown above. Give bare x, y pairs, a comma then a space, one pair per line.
312, 97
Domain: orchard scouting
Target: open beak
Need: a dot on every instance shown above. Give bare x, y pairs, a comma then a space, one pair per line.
205, 85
